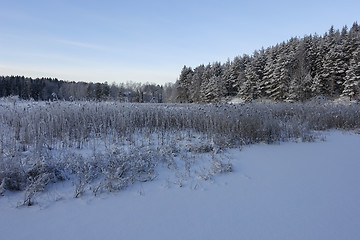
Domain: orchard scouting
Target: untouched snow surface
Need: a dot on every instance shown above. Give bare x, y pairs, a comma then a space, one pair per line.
288, 191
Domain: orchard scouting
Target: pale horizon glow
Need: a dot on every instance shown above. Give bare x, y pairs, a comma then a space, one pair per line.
150, 41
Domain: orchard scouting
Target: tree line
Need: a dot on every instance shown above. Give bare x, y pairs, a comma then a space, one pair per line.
45, 89
297, 70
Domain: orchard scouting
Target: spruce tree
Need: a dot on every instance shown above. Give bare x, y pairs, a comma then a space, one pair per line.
352, 78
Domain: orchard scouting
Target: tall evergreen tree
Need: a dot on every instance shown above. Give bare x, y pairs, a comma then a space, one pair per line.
352, 78
213, 90
197, 79
183, 85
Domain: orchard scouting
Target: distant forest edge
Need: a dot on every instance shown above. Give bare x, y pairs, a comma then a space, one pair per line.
300, 69
297, 70
45, 89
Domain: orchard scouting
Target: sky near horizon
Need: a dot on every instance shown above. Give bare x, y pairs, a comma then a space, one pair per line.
150, 41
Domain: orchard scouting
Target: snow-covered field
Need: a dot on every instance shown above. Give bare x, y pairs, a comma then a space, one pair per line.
285, 191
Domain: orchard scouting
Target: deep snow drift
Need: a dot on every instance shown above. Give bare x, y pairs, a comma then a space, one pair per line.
286, 191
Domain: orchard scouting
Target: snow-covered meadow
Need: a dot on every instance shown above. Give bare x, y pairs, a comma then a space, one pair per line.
92, 169
283, 191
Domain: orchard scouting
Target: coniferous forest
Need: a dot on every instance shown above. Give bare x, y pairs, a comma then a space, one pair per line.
299, 69
45, 89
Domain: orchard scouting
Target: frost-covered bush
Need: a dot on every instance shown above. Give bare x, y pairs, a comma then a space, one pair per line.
121, 170
76, 124
108, 146
30, 171
220, 167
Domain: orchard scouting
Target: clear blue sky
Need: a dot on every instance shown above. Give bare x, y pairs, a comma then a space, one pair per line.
150, 41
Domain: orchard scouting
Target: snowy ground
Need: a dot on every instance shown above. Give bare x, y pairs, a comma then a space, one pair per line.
288, 191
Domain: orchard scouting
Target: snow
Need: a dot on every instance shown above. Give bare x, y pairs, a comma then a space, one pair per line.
236, 100
286, 191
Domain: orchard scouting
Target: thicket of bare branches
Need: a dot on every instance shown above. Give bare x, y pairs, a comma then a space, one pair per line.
108, 146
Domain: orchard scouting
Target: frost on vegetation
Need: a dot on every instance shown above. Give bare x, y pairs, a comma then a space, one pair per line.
106, 147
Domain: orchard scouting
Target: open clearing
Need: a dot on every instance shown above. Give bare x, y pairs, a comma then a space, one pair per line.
285, 191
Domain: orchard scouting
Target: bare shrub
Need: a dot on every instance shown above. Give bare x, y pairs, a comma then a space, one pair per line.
108, 146
218, 166
120, 171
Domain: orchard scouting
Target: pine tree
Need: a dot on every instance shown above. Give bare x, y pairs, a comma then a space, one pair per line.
197, 79
268, 77
240, 80
248, 90
183, 84
352, 78
213, 90
319, 83
277, 86
330, 80
281, 80
254, 72
25, 88
310, 51
226, 78
300, 88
